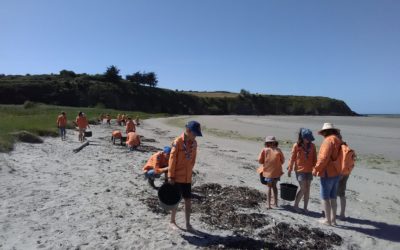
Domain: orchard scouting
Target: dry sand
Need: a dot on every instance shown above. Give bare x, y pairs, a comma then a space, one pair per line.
53, 198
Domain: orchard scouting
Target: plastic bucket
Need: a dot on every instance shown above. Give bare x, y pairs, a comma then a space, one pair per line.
288, 191
169, 196
88, 133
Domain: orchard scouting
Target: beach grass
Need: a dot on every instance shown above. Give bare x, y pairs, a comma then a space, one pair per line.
40, 119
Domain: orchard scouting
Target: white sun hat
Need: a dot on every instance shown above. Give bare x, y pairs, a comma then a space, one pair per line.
270, 139
326, 126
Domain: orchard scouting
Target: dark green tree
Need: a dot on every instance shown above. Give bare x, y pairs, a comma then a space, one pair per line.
112, 74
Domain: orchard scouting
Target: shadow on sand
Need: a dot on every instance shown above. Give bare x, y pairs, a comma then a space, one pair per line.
201, 239
376, 229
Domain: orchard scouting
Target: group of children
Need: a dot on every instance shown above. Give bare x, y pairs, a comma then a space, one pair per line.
305, 162
176, 162
81, 122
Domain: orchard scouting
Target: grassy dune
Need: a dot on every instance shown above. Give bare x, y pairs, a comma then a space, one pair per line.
41, 119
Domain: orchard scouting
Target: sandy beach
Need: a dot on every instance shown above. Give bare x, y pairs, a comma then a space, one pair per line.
53, 198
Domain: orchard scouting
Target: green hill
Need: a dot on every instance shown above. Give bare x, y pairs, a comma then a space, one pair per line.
82, 90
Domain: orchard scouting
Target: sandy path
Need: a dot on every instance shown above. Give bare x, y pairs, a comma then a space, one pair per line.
53, 198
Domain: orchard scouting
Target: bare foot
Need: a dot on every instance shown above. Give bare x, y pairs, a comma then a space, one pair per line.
297, 209
189, 228
305, 211
269, 207
325, 222
173, 226
334, 223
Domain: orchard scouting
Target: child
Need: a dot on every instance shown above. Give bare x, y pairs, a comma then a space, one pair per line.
156, 165
108, 118
181, 163
61, 124
116, 134
137, 121
130, 126
132, 141
304, 158
119, 120
271, 158
82, 123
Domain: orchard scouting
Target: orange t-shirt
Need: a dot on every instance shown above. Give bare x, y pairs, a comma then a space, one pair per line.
328, 152
132, 139
303, 162
157, 161
271, 160
182, 159
117, 134
61, 121
130, 126
82, 122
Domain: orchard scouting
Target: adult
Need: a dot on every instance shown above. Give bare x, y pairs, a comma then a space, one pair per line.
61, 124
325, 168
181, 163
82, 123
303, 158
157, 165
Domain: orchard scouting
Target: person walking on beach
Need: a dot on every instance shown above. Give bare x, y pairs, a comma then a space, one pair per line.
130, 126
304, 158
271, 159
82, 123
61, 124
157, 165
108, 119
132, 140
181, 163
327, 171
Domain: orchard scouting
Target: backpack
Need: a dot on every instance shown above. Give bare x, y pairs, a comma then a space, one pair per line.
346, 159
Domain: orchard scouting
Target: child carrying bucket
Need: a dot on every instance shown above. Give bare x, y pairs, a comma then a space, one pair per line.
271, 159
303, 158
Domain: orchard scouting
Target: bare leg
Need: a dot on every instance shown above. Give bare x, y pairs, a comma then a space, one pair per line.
300, 194
172, 223
343, 207
269, 197
327, 210
307, 194
275, 189
334, 209
188, 210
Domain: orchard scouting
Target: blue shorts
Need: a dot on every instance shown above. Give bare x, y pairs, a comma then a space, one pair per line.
329, 187
303, 176
62, 130
151, 174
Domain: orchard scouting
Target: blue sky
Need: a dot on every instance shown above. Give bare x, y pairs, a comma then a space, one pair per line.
348, 50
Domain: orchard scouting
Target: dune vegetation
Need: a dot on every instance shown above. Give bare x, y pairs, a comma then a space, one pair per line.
40, 119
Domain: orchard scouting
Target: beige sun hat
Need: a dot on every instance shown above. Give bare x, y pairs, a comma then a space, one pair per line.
326, 126
270, 139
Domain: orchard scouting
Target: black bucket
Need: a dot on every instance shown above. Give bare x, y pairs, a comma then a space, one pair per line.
288, 191
169, 196
88, 133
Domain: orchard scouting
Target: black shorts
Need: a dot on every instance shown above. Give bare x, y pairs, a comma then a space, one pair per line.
186, 189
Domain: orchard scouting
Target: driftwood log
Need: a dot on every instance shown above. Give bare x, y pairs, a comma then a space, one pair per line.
81, 147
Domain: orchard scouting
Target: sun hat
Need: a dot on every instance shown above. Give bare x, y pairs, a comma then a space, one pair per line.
194, 127
270, 139
167, 149
306, 134
326, 126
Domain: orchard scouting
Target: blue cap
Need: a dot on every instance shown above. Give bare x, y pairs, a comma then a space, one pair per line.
167, 149
194, 127
306, 134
